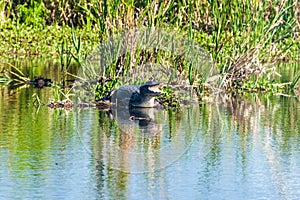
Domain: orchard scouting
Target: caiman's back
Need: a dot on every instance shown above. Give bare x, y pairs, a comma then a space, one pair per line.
121, 96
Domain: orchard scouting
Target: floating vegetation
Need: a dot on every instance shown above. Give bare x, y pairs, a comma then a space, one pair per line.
65, 104
68, 104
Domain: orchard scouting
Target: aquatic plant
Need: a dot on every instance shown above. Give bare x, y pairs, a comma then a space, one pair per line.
245, 38
10, 73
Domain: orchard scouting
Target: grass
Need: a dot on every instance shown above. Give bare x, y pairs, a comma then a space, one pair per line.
245, 38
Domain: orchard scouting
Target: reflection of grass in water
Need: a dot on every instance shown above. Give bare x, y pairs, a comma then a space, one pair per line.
247, 119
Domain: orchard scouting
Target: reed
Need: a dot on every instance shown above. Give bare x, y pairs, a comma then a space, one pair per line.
245, 38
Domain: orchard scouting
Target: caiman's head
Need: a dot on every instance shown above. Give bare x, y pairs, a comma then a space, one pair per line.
151, 89
146, 97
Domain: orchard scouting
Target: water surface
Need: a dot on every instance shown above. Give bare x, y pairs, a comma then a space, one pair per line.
243, 148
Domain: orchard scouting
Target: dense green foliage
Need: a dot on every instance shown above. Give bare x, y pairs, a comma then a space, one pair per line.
245, 38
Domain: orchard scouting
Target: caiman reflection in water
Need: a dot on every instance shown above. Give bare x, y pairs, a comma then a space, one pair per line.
135, 128
134, 108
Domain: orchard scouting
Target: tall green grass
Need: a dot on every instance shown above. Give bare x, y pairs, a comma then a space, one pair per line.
245, 38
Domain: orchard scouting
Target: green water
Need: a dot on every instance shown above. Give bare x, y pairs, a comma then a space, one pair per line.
235, 148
